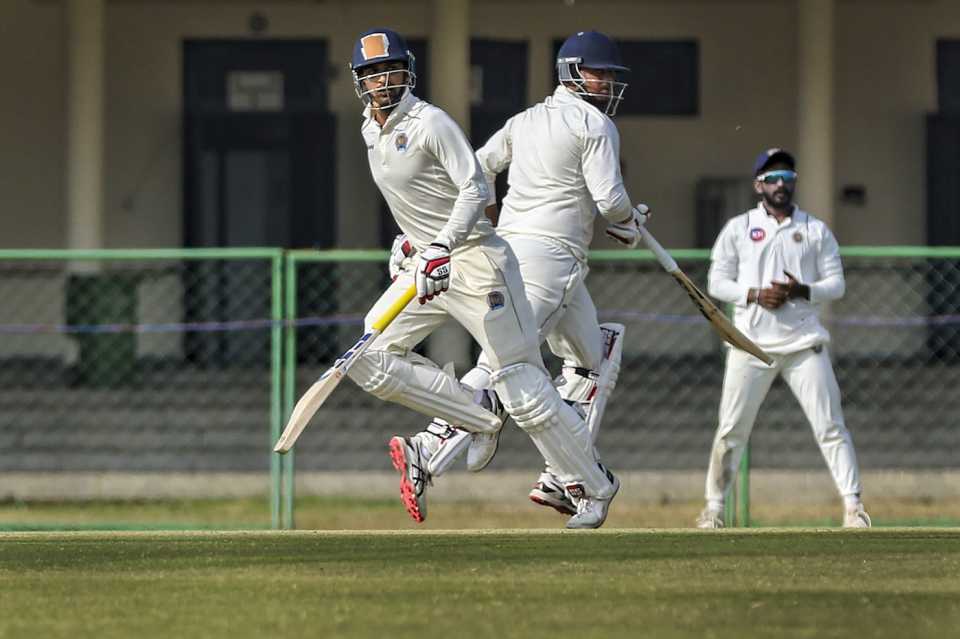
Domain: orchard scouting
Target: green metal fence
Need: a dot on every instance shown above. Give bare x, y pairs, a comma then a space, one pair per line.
190, 360
149, 362
896, 350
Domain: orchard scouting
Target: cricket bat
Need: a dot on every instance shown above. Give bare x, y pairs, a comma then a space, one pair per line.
321, 389
720, 323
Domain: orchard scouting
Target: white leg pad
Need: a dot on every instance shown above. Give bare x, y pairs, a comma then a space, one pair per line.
593, 388
476, 378
422, 387
445, 456
607, 377
555, 428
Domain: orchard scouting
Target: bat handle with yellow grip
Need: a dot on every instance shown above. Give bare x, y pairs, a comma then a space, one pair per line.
667, 262
391, 313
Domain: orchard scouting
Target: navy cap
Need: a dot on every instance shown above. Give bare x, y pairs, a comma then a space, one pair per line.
379, 45
770, 156
591, 49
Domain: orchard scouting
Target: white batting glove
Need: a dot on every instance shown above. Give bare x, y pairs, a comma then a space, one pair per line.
628, 232
400, 251
433, 272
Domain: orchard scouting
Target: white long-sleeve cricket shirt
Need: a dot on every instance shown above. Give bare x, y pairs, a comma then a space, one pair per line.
564, 158
752, 251
427, 172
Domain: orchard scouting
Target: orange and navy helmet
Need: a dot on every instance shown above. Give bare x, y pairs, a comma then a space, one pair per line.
373, 47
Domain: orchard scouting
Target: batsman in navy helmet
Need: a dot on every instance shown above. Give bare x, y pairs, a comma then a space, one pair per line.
589, 65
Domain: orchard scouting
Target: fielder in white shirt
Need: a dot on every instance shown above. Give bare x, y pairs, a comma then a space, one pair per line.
564, 168
427, 172
776, 264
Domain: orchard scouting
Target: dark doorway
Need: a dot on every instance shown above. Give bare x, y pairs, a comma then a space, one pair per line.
258, 170
259, 144
943, 229
943, 200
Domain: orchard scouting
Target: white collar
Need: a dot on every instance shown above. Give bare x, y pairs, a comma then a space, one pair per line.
764, 216
563, 94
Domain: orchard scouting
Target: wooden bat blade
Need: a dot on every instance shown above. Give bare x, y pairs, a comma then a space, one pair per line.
721, 324
307, 407
318, 393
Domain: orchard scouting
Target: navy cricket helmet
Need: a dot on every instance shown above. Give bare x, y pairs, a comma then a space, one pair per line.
373, 47
592, 50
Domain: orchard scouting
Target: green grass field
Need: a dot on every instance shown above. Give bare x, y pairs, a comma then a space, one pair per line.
464, 584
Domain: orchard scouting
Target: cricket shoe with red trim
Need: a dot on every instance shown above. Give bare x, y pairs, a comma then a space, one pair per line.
548, 491
411, 465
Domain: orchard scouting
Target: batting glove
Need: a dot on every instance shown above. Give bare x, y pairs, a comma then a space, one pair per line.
400, 251
628, 232
433, 272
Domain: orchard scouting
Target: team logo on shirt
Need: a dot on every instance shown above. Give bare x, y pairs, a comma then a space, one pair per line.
798, 237
757, 234
495, 300
401, 142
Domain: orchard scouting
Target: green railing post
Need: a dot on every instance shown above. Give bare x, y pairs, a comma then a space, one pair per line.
276, 362
734, 497
730, 510
290, 382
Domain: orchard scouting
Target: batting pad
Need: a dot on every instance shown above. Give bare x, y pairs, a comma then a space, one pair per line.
555, 428
608, 374
476, 378
422, 387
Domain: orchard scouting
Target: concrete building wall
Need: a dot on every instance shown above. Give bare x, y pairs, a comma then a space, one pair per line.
32, 125
885, 84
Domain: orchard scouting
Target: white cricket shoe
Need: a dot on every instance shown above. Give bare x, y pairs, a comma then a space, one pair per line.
483, 446
548, 491
856, 517
591, 512
710, 519
411, 465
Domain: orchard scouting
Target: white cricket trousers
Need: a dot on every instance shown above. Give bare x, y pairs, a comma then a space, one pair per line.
486, 297
563, 310
746, 381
